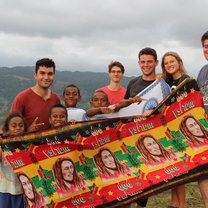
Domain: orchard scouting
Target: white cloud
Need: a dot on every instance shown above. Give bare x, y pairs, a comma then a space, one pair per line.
87, 35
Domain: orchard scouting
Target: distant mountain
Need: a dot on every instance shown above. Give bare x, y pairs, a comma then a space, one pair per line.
13, 80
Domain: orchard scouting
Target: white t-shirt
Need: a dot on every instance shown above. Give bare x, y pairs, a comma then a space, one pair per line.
75, 114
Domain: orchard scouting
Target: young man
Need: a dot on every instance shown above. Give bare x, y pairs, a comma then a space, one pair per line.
202, 81
34, 103
148, 63
114, 90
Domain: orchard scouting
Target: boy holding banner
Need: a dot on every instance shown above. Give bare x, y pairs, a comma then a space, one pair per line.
148, 63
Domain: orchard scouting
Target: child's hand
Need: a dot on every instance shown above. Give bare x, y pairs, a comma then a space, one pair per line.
72, 122
35, 125
106, 110
112, 107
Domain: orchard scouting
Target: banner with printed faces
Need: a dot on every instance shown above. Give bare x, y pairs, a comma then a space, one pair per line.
112, 162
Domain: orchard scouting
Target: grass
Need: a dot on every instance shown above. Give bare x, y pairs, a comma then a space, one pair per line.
193, 198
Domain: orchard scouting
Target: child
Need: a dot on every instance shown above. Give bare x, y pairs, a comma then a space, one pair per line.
57, 115
10, 188
71, 97
100, 105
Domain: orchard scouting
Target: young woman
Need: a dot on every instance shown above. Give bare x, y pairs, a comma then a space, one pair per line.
10, 188
174, 73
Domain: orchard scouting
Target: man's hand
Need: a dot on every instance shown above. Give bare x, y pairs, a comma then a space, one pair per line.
137, 99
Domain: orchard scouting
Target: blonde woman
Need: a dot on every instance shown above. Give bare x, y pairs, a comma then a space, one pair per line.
174, 73
173, 70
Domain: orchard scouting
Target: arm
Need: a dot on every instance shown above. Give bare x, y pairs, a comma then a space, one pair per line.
126, 102
99, 110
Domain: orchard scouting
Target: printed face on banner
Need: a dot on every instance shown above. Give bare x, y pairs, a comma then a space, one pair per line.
32, 196
153, 151
195, 133
194, 127
27, 187
67, 170
108, 159
66, 176
108, 165
152, 146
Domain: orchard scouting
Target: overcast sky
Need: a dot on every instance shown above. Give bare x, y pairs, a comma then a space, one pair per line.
86, 35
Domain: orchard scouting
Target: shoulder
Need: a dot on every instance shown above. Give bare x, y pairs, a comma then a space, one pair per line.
72, 109
54, 95
80, 110
203, 75
136, 79
205, 67
25, 93
123, 88
184, 76
104, 89
203, 70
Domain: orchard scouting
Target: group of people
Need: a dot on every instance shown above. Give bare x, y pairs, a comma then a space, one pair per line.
38, 108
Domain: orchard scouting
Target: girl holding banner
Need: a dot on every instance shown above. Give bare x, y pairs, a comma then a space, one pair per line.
174, 73
10, 188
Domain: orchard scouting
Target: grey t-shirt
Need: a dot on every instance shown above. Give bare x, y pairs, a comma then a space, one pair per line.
135, 86
202, 81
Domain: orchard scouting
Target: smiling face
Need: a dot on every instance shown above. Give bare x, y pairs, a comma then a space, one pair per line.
194, 127
27, 187
71, 96
67, 170
58, 117
152, 146
116, 74
15, 126
172, 66
99, 99
44, 77
108, 159
148, 65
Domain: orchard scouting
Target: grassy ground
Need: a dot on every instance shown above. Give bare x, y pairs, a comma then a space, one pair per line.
193, 198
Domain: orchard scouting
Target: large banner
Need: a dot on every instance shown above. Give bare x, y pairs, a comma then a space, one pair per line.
112, 162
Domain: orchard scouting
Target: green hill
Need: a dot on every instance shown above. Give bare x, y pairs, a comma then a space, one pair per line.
13, 80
